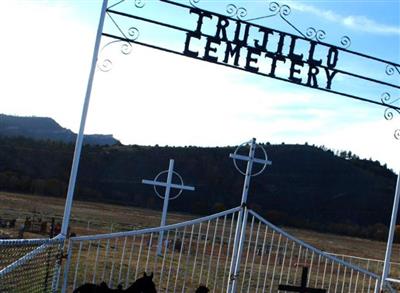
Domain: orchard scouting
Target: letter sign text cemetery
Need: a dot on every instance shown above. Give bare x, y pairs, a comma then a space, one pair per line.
262, 49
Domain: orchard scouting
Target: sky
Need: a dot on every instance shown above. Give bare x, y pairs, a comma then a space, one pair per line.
152, 97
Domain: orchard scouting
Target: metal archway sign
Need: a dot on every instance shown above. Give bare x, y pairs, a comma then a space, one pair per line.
230, 38
233, 39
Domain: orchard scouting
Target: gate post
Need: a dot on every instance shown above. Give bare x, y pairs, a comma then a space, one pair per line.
392, 228
79, 137
57, 270
240, 234
66, 268
240, 238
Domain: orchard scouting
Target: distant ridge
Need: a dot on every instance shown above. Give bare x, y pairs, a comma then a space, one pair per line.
44, 128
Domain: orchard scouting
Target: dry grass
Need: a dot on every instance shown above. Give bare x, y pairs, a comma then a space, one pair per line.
101, 218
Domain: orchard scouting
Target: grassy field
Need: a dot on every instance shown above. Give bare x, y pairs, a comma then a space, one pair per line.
93, 218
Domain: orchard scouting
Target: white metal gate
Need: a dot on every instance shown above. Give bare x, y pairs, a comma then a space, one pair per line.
193, 253
199, 252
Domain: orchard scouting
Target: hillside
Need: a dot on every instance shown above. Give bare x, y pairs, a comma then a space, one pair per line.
306, 186
44, 128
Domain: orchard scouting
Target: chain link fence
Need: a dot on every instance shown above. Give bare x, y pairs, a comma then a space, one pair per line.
30, 265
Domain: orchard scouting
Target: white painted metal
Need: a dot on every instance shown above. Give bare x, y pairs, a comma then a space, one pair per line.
386, 266
197, 249
199, 256
254, 254
262, 256
172, 257
313, 249
103, 276
168, 185
79, 138
77, 263
247, 255
220, 250
180, 257
242, 221
165, 206
139, 255
66, 268
110, 281
187, 259
175, 261
204, 251
148, 251
275, 261
130, 261
283, 262
163, 262
172, 185
212, 252
96, 261
393, 280
122, 260
87, 261
228, 250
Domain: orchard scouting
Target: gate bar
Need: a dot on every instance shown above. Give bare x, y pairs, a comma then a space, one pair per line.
386, 265
241, 224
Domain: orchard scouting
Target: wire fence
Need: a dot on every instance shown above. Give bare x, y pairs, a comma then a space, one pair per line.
29, 265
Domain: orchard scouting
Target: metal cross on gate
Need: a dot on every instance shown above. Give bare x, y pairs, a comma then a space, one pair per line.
242, 219
168, 185
250, 162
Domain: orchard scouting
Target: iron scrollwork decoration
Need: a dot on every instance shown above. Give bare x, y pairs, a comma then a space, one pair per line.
283, 11
275, 8
391, 69
389, 111
397, 134
234, 11
387, 100
194, 3
226, 45
345, 41
140, 3
105, 64
318, 35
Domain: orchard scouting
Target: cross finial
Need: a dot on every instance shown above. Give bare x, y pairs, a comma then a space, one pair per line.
250, 158
250, 161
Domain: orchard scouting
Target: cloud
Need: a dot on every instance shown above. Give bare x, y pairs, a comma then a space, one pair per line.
355, 22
